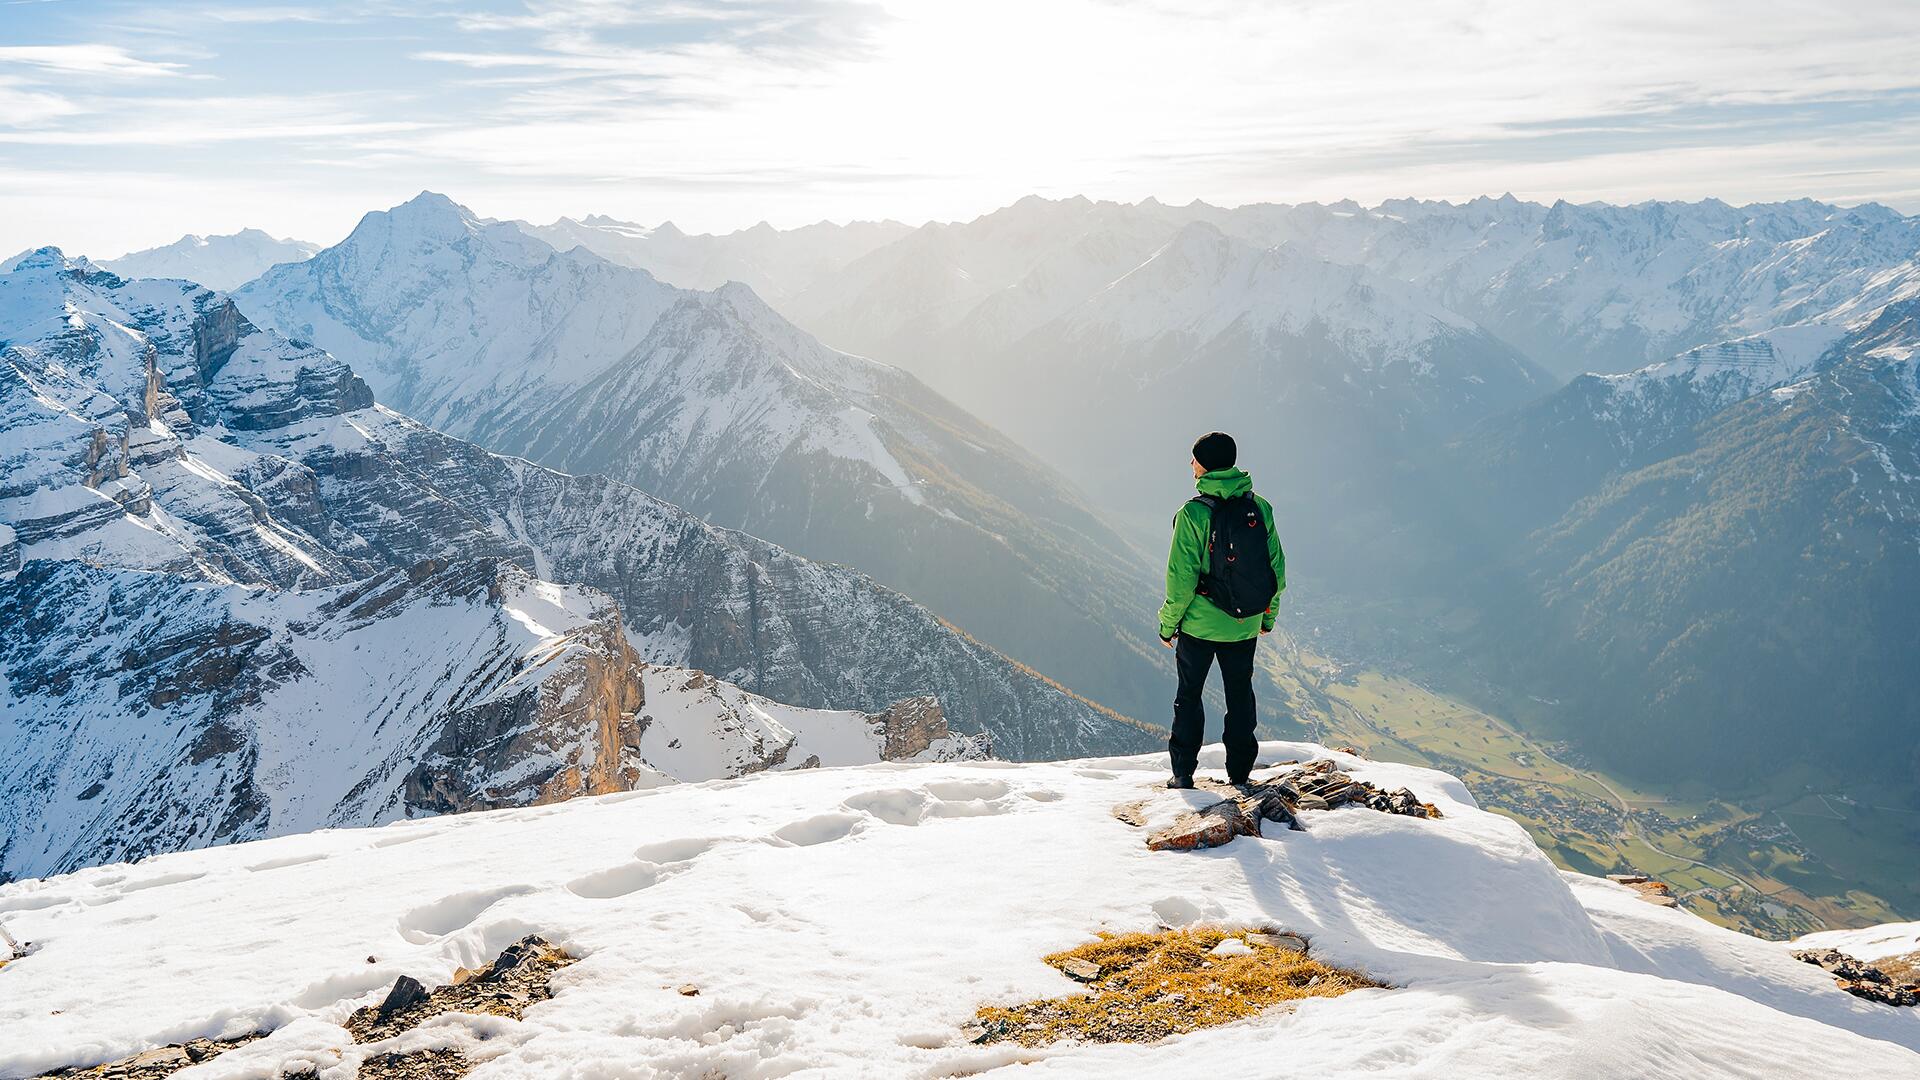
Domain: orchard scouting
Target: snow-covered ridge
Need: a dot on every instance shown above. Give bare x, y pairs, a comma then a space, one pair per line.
847, 922
218, 262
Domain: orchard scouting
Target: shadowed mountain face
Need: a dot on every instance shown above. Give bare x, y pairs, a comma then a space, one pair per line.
1711, 562
712, 401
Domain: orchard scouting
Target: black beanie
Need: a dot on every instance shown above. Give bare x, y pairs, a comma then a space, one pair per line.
1215, 451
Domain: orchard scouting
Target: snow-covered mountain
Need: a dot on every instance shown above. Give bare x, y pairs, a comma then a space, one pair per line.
849, 922
146, 426
773, 262
714, 402
218, 262
146, 712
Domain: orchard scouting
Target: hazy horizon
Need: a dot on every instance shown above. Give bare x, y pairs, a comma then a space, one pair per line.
581, 215
125, 126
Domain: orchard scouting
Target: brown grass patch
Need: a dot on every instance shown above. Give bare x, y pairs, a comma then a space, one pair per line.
1151, 986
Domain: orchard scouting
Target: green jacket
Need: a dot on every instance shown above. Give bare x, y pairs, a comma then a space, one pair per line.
1187, 612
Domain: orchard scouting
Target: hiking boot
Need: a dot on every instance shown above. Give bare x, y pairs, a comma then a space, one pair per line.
1240, 781
1179, 782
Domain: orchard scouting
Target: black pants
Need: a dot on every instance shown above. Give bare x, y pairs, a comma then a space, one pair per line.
1195, 657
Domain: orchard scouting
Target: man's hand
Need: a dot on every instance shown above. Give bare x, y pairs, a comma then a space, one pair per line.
1168, 641
1265, 630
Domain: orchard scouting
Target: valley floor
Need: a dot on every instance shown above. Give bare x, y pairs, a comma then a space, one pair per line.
1799, 862
849, 922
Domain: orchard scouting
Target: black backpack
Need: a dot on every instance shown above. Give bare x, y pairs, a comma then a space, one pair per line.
1239, 578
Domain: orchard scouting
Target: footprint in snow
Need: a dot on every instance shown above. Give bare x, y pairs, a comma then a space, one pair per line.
425, 924
967, 790
819, 829
682, 849
895, 806
616, 881
289, 860
161, 879
942, 799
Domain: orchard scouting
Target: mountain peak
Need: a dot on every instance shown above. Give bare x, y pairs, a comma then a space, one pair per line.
48, 258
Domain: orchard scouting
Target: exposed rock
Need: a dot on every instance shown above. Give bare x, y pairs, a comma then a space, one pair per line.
1285, 940
1863, 979
913, 725
1080, 970
436, 1064
406, 991
516, 979
1213, 826
1317, 785
1628, 879
688, 990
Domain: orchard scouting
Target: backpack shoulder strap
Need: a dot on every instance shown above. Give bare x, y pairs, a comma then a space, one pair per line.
1208, 501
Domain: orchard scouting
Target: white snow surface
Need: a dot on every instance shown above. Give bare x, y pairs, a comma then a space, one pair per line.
1869, 943
847, 922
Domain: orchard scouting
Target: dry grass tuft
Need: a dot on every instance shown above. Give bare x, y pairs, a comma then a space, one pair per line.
1151, 986
1901, 969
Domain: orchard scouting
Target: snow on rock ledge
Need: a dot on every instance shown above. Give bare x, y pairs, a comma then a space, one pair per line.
847, 922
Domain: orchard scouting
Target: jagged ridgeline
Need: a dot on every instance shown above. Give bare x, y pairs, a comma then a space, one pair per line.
241, 598
717, 404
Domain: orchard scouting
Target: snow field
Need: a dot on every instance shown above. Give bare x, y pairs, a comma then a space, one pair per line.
846, 922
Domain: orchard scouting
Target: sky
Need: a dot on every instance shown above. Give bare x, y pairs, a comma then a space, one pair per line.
126, 124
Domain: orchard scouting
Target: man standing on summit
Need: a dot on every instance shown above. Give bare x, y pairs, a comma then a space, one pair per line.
1224, 574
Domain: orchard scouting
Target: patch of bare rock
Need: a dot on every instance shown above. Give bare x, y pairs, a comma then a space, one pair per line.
1657, 893
1889, 982
1316, 785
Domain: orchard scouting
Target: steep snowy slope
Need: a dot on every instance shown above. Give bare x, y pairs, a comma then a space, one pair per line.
773, 262
218, 262
227, 453
848, 922
715, 403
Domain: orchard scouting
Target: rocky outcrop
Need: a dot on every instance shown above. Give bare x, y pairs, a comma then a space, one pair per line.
1317, 785
1862, 979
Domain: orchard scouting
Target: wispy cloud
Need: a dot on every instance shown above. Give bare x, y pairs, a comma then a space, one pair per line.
98, 60
729, 111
